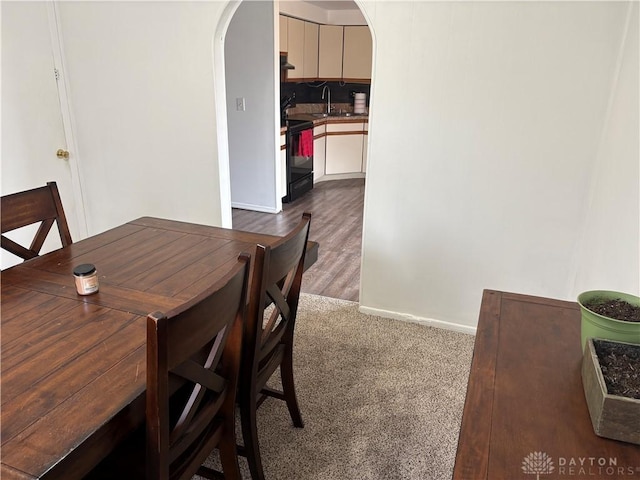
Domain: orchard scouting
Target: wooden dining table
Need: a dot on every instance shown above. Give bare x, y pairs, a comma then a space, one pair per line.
73, 367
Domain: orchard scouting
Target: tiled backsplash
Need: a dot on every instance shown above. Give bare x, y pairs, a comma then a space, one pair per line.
311, 93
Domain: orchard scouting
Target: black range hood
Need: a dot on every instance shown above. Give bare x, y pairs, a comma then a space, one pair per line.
284, 64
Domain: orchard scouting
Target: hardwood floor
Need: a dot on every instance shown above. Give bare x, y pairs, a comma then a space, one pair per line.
336, 224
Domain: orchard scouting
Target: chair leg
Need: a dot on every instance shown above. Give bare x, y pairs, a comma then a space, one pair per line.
248, 412
229, 452
288, 387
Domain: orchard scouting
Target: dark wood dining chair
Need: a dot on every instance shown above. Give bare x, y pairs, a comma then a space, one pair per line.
39, 205
268, 335
197, 346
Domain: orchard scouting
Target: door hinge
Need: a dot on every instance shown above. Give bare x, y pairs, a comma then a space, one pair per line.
56, 73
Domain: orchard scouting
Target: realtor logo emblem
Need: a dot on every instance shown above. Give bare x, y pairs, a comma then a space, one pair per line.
537, 463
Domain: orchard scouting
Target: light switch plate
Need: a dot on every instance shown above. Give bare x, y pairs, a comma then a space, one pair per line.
240, 105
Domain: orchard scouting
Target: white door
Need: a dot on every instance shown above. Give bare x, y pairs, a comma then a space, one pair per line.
32, 122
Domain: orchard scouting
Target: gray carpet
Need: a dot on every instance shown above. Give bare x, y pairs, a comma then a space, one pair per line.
381, 399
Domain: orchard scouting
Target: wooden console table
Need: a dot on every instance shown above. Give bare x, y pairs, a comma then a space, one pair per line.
525, 414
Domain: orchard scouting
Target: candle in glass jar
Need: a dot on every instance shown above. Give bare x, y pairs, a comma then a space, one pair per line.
86, 277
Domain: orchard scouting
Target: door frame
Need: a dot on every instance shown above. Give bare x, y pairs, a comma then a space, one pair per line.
222, 126
68, 122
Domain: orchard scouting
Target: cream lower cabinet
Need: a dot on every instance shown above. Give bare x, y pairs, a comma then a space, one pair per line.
344, 148
283, 165
319, 151
365, 147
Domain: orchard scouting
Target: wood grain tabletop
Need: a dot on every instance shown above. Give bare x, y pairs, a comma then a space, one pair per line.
73, 367
525, 414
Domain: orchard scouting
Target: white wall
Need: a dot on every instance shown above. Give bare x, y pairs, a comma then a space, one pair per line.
251, 68
307, 11
611, 243
142, 93
489, 122
32, 127
479, 165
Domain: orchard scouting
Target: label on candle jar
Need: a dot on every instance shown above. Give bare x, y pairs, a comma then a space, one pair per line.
86, 277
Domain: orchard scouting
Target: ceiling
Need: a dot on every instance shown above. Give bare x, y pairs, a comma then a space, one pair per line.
334, 4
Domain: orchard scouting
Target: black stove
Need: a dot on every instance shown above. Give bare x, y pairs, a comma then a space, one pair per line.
299, 138
295, 123
298, 125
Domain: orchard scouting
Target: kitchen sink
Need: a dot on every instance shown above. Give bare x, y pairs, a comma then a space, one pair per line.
333, 114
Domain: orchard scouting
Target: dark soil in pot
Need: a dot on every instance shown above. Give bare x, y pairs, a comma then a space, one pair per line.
620, 365
617, 309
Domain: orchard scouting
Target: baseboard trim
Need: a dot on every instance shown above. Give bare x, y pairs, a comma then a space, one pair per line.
406, 317
255, 208
339, 176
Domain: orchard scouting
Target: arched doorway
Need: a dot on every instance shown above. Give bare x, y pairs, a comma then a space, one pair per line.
340, 268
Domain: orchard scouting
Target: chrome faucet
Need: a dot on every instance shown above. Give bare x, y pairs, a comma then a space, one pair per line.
328, 90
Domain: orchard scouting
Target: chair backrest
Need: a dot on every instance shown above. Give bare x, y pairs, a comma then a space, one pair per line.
199, 346
275, 288
41, 204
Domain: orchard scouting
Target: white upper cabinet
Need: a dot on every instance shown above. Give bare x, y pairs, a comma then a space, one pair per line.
330, 53
310, 67
295, 45
357, 53
284, 23
326, 52
302, 48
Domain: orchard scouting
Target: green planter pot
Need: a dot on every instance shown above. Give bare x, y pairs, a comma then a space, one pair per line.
599, 326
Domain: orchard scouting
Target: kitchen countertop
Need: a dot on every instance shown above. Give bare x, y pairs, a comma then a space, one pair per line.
317, 119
